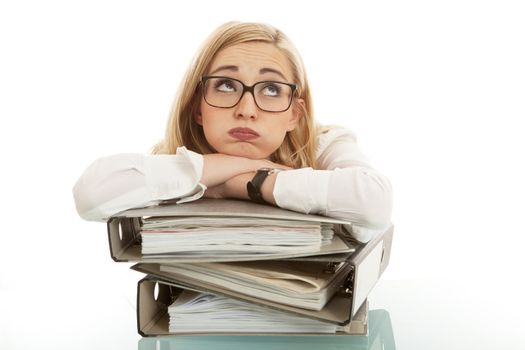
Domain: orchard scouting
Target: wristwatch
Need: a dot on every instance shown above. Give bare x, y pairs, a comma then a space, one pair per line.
254, 186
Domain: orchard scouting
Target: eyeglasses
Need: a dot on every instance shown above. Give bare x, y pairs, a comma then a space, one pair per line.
269, 96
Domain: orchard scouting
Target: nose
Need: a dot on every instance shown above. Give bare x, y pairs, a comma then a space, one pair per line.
246, 108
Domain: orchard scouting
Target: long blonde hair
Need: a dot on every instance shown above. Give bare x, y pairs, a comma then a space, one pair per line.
299, 146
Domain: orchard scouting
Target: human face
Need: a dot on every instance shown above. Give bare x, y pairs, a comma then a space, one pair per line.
245, 130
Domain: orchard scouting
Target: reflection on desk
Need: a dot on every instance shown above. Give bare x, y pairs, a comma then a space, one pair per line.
380, 336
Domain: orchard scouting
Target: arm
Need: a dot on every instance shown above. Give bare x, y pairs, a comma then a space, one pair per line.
235, 187
124, 181
347, 188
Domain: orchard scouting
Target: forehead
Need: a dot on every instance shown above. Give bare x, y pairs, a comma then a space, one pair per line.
251, 58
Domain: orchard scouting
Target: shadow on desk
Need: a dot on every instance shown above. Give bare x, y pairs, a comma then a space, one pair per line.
380, 337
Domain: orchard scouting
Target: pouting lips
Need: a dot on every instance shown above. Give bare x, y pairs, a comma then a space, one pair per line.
243, 133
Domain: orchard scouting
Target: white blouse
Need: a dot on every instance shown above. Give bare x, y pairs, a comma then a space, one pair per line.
347, 188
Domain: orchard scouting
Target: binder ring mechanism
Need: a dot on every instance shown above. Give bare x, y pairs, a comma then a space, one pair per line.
346, 287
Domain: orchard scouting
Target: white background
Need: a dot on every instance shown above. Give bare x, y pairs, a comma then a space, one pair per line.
434, 90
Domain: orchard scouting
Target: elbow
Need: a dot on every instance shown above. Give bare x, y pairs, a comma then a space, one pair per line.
377, 201
110, 185
377, 211
88, 193
85, 198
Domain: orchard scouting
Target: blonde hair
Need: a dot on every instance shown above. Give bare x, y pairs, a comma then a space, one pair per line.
299, 145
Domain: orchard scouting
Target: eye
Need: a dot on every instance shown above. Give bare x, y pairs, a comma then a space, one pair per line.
225, 85
271, 89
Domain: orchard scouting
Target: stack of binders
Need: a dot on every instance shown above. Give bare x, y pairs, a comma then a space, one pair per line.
236, 267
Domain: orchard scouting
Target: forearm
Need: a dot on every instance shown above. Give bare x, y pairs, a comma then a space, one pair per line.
236, 187
359, 195
123, 181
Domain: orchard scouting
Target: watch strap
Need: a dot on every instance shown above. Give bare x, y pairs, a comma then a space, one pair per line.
254, 186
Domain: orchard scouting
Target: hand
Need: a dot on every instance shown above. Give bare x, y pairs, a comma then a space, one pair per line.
215, 192
218, 168
235, 187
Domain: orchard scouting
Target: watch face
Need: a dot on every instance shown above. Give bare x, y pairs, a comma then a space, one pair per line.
269, 171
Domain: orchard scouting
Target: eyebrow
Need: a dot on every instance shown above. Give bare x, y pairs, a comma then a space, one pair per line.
233, 68
230, 68
271, 70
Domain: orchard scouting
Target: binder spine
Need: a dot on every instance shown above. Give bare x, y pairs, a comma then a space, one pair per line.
122, 233
152, 307
387, 248
369, 263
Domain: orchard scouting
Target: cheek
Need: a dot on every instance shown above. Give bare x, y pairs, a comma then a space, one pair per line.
276, 137
210, 130
206, 117
212, 127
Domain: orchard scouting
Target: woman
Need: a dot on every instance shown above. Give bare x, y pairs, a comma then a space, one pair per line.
242, 127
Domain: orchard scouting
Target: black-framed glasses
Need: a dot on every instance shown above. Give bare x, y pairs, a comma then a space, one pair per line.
226, 92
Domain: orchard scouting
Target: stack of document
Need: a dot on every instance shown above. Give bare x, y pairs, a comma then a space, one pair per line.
305, 284
194, 312
232, 266
232, 235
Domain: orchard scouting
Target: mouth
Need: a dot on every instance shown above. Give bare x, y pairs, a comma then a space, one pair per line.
243, 134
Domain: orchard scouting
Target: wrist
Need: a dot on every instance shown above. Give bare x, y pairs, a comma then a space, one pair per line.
236, 186
267, 189
260, 187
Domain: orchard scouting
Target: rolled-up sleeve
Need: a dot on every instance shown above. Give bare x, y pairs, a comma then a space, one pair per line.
345, 187
124, 181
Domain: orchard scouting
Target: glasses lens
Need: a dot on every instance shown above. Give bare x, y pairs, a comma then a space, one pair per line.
222, 92
272, 96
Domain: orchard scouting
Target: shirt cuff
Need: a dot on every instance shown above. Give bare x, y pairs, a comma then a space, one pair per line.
170, 177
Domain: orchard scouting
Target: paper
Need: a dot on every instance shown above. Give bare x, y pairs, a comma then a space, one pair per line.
194, 312
302, 284
231, 235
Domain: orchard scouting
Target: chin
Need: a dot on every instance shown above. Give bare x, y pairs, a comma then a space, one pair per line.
245, 152
248, 155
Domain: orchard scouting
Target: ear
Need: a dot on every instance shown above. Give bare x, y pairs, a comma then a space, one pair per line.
297, 114
198, 117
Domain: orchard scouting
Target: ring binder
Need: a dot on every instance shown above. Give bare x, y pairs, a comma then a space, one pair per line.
153, 319
125, 239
